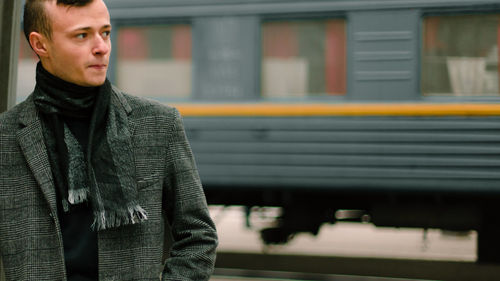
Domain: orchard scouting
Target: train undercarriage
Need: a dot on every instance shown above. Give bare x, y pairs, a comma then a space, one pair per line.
306, 212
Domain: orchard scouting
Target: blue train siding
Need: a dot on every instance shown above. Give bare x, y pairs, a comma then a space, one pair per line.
397, 154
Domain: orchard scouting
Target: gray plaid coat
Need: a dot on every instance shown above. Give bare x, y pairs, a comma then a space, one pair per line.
169, 190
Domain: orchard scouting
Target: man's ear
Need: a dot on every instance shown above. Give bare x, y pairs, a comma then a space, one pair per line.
38, 43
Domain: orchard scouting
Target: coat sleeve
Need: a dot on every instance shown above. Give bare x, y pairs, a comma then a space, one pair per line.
192, 256
2, 271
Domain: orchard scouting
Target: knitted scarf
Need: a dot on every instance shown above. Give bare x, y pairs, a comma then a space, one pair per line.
103, 175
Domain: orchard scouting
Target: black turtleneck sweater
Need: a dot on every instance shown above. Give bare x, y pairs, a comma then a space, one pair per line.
80, 242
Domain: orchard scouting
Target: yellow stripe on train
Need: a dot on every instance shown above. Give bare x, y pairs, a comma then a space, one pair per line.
379, 109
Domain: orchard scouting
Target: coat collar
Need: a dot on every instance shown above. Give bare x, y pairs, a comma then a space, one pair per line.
31, 140
119, 100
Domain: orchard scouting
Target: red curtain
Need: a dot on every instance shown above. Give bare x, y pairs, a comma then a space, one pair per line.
279, 40
133, 44
335, 57
181, 42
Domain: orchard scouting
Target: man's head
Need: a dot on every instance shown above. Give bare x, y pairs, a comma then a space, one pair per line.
71, 38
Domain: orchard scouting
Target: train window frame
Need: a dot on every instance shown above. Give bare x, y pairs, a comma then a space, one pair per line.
481, 9
304, 17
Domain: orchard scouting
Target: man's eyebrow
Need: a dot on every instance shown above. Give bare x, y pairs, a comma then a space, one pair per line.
88, 28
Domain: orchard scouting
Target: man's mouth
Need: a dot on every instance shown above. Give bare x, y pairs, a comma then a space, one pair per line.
98, 66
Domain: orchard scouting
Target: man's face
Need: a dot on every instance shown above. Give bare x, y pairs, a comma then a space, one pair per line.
79, 49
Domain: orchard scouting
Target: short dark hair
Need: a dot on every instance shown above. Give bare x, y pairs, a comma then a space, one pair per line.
35, 17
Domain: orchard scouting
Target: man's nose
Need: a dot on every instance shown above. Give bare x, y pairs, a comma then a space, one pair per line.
101, 46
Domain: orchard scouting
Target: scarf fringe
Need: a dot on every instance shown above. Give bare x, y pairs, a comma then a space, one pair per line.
77, 196
115, 218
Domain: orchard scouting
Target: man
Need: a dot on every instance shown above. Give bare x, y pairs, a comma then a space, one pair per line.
93, 180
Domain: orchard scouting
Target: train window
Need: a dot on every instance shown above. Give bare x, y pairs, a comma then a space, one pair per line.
460, 55
303, 58
155, 61
26, 69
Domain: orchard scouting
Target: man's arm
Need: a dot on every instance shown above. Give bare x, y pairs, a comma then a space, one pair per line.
192, 256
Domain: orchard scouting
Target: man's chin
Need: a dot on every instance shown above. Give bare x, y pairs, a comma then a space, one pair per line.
95, 82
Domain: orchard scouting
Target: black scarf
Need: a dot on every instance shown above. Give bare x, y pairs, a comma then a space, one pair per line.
104, 173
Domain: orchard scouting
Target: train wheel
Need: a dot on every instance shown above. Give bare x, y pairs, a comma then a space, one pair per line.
299, 219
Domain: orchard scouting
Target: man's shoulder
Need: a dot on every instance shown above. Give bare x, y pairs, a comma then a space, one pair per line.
140, 106
10, 118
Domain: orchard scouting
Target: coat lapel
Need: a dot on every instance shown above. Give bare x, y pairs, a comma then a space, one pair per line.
31, 141
121, 128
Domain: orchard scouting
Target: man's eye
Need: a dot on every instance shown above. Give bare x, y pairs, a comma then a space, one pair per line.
106, 33
81, 35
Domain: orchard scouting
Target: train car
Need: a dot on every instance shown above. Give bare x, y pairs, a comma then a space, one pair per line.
387, 108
